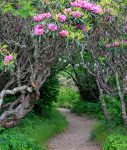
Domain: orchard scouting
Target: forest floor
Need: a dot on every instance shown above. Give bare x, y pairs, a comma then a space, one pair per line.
76, 136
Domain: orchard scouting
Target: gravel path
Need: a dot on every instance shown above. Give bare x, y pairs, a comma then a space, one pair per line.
76, 137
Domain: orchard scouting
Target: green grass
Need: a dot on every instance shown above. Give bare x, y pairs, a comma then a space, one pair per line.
103, 131
40, 129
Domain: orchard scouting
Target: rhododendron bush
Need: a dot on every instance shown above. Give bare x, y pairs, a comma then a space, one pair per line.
71, 20
103, 55
7, 58
36, 33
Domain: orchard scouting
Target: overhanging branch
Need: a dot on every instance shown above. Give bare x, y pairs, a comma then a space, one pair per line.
14, 91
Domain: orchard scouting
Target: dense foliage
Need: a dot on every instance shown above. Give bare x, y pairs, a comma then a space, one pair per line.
48, 95
66, 97
12, 140
115, 142
110, 136
86, 39
33, 132
89, 108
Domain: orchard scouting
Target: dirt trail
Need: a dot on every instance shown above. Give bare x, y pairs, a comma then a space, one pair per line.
77, 135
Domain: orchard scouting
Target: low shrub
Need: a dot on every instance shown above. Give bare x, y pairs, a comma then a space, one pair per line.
84, 107
114, 108
66, 97
13, 140
100, 132
44, 127
115, 142
110, 136
33, 132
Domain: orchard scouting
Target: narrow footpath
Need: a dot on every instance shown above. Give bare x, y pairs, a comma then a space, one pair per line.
77, 135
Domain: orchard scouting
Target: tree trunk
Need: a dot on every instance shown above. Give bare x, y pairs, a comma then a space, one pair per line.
12, 116
121, 96
104, 106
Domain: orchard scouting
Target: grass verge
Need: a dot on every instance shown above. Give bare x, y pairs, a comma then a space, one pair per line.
35, 129
110, 136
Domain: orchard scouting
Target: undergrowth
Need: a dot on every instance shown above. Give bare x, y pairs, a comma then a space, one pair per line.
66, 97
33, 132
84, 107
110, 136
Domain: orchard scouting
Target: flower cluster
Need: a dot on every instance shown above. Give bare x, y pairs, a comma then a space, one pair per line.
64, 33
116, 44
67, 10
87, 6
57, 20
8, 58
76, 14
124, 41
38, 29
41, 17
52, 27
62, 18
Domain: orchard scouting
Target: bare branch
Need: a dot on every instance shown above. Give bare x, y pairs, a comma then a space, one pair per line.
14, 91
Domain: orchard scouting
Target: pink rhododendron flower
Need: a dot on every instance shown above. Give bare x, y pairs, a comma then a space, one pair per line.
108, 46
67, 10
124, 41
116, 44
39, 29
73, 4
64, 33
48, 15
62, 18
87, 5
96, 9
76, 14
77, 3
52, 27
8, 58
39, 17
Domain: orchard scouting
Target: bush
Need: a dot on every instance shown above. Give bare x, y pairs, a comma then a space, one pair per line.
66, 97
82, 107
49, 93
109, 135
12, 140
114, 108
115, 142
100, 132
44, 127
33, 132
